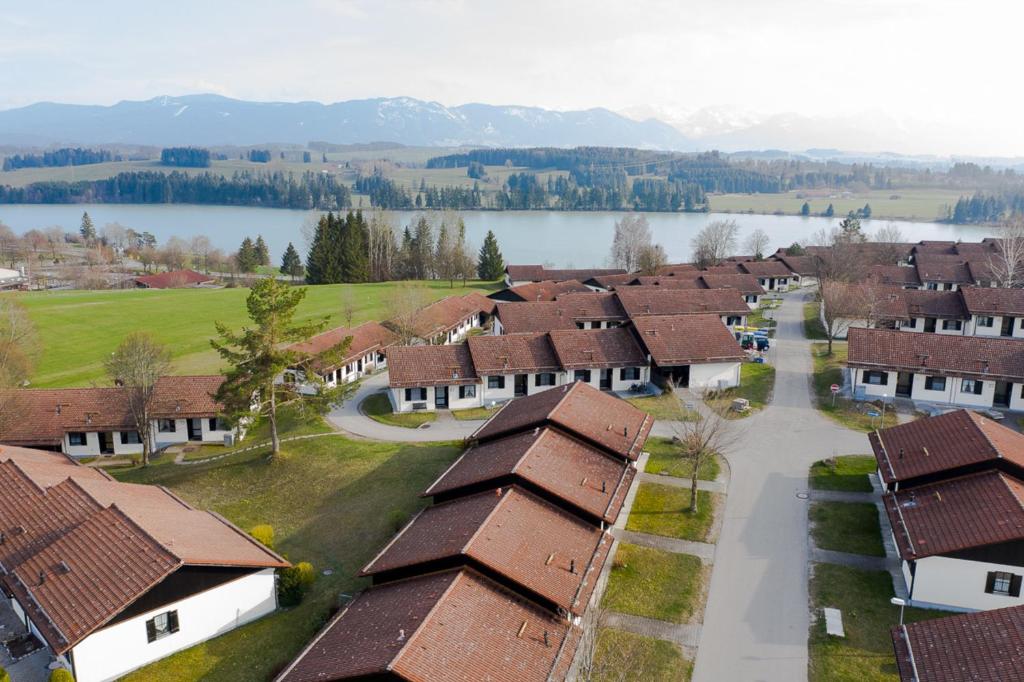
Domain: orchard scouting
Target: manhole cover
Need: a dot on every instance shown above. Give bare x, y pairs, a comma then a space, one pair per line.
803, 495
328, 571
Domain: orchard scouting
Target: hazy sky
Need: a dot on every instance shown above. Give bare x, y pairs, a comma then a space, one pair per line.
945, 69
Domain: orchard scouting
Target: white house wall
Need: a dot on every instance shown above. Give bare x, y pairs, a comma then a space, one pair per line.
996, 329
92, 446
113, 651
715, 375
959, 584
952, 394
163, 439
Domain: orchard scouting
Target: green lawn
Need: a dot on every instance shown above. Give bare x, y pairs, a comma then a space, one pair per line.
813, 328
378, 408
663, 407
847, 472
865, 654
665, 460
665, 510
759, 317
289, 423
853, 414
332, 501
846, 527
889, 204
623, 655
655, 584
474, 413
78, 329
757, 380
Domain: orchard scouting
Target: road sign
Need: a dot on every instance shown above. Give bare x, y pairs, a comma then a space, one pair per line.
834, 388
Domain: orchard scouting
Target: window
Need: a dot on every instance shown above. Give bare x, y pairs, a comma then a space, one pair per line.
166, 425
581, 375
130, 438
733, 320
972, 386
467, 391
161, 625
496, 382
1002, 583
931, 286
986, 321
629, 374
581, 325
952, 324
76, 438
416, 393
935, 383
544, 379
875, 378
218, 424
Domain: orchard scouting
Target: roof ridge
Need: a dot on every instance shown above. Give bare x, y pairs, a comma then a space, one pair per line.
503, 496
437, 603
979, 422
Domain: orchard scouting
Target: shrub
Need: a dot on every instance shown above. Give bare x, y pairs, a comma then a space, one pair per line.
264, 534
397, 519
4, 675
61, 675
294, 582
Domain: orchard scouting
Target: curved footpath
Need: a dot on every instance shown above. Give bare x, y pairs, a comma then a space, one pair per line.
757, 618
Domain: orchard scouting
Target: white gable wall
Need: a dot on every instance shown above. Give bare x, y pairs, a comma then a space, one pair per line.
959, 584
715, 375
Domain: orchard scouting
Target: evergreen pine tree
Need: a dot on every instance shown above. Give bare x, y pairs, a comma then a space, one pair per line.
866, 211
830, 211
406, 268
805, 210
246, 258
87, 230
261, 252
490, 264
319, 260
423, 250
291, 264
354, 258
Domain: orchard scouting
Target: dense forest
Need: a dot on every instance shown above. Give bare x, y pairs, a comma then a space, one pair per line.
987, 208
273, 190
59, 157
185, 157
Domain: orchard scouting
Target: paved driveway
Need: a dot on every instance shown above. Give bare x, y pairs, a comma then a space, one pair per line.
757, 620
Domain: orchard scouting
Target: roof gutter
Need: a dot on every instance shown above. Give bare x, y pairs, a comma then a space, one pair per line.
910, 652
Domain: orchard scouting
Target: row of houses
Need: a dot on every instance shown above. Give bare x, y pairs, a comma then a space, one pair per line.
683, 350
112, 576
493, 580
98, 421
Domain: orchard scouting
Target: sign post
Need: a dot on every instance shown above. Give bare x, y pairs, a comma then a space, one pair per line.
835, 389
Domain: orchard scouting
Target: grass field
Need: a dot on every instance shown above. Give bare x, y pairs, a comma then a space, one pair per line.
378, 408
663, 407
899, 204
332, 501
865, 654
847, 472
813, 329
77, 329
828, 370
665, 510
655, 584
665, 460
757, 379
623, 656
474, 413
847, 527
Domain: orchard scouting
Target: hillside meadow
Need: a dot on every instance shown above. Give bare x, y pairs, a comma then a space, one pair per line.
77, 329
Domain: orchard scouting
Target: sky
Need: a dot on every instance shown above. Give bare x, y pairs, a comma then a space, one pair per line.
943, 74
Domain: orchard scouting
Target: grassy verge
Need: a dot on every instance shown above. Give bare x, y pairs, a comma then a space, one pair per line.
865, 654
664, 459
474, 413
758, 317
813, 329
664, 510
332, 501
756, 383
847, 472
625, 656
846, 527
655, 584
73, 346
289, 423
828, 370
378, 408
663, 407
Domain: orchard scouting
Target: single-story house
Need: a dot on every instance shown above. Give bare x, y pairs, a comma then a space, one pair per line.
513, 365
366, 354
968, 647
570, 311
728, 304
745, 283
969, 371
432, 377
961, 541
902, 276
539, 291
943, 273
184, 409
446, 321
945, 446
113, 576
994, 312
804, 268
607, 359
889, 307
175, 279
524, 274
772, 275
689, 350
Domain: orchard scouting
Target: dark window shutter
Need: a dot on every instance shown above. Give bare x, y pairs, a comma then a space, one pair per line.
1015, 585
151, 630
978, 386
408, 394
885, 378
213, 423
990, 582
172, 621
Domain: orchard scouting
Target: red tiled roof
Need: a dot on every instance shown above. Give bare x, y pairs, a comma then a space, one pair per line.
681, 281
986, 646
442, 316
801, 265
512, 353
41, 416
549, 460
593, 348
949, 441
611, 281
993, 301
547, 291
47, 468
673, 340
981, 509
592, 306
766, 268
943, 269
676, 269
895, 303
563, 313
579, 409
657, 301
539, 273
457, 626
896, 275
970, 356
448, 365
186, 396
528, 541
367, 337
745, 284
174, 279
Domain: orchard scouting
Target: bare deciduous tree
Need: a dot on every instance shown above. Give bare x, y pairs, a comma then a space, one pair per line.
841, 304
18, 347
608, 655
1006, 265
404, 302
382, 244
632, 237
652, 259
348, 304
703, 437
889, 238
137, 364
200, 248
714, 243
757, 243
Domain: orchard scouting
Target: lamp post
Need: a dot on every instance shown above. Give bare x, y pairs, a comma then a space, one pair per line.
896, 601
885, 399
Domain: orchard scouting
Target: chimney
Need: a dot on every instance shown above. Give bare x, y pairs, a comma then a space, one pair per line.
546, 638
572, 565
42, 576
901, 453
401, 635
604, 486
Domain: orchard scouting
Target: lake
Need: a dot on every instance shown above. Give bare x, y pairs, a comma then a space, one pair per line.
564, 238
